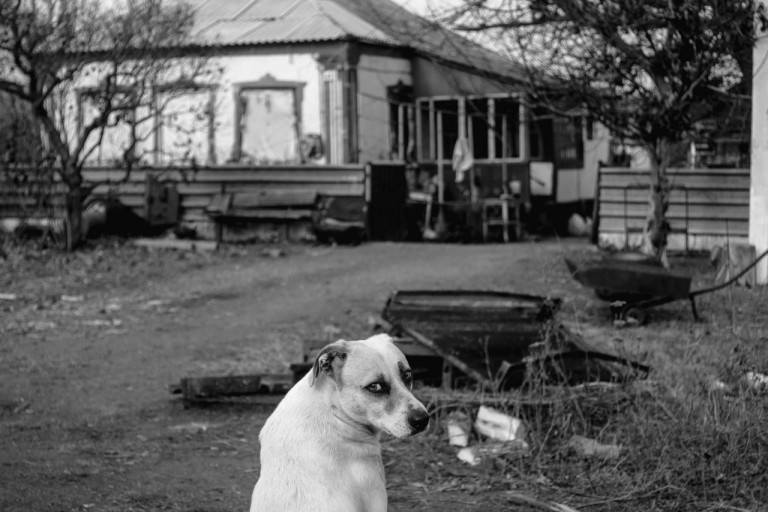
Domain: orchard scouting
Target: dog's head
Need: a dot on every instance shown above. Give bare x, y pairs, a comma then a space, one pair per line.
370, 382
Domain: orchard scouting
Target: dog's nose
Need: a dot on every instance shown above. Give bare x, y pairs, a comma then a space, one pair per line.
418, 419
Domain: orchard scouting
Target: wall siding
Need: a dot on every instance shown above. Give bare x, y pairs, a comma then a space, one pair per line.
717, 209
196, 187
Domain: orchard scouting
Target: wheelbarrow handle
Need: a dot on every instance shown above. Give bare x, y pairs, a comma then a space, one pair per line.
701, 291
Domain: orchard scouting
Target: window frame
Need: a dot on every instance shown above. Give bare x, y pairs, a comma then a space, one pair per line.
426, 113
81, 93
182, 87
267, 82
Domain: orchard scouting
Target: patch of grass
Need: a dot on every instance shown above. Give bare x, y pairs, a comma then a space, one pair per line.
693, 436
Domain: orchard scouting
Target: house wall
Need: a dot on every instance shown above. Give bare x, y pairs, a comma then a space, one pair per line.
374, 75
579, 184
758, 202
432, 79
238, 69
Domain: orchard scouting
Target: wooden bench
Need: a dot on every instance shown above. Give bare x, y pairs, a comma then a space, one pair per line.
280, 206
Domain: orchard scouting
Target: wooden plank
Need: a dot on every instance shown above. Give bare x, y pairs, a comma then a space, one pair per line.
28, 201
709, 197
195, 201
458, 363
11, 213
193, 388
677, 171
353, 189
226, 173
122, 188
219, 204
677, 211
731, 171
265, 213
690, 182
169, 243
263, 199
717, 199
696, 227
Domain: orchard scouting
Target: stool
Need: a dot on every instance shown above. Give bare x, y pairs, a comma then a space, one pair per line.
502, 204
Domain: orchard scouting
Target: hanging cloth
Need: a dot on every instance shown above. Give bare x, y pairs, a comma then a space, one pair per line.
462, 160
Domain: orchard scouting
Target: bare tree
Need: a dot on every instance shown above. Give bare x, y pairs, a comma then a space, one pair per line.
85, 67
648, 70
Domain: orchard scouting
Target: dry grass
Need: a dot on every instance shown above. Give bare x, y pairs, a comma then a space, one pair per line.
685, 445
693, 436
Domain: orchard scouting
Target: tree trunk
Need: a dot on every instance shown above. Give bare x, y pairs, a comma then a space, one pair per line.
657, 227
74, 207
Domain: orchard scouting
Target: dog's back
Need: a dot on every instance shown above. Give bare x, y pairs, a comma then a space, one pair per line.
320, 449
307, 465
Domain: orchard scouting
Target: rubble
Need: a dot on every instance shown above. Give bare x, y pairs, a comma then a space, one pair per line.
468, 455
458, 427
755, 381
259, 388
587, 447
499, 426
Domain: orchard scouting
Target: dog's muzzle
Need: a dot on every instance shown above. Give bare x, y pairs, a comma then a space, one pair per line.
418, 419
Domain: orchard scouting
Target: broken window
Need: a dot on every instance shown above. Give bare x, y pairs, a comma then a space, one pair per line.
447, 133
111, 143
268, 125
492, 126
425, 122
401, 122
185, 126
479, 127
535, 140
506, 128
401, 125
569, 143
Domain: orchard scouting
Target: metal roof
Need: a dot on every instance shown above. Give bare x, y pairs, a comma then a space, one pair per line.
241, 22
254, 22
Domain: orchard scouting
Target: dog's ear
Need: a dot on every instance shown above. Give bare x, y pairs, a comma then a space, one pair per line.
330, 360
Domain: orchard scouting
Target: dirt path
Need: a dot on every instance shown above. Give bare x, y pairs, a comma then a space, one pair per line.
86, 420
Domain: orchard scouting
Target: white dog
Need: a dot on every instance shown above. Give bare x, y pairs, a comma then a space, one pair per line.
320, 448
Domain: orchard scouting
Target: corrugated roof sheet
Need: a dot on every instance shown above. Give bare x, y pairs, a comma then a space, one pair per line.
246, 22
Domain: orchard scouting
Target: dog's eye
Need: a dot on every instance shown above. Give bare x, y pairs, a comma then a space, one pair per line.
408, 377
377, 388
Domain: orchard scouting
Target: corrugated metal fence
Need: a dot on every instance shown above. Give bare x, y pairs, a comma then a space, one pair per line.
707, 206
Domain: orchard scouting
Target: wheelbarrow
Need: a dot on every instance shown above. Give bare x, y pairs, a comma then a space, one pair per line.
633, 282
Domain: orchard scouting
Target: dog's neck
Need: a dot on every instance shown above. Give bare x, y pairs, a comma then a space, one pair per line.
354, 431
341, 424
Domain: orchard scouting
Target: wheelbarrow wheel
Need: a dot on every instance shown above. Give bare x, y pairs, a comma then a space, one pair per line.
635, 315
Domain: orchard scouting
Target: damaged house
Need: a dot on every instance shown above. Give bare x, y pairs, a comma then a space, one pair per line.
317, 85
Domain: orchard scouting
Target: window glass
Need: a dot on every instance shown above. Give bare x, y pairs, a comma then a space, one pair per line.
185, 120
109, 145
268, 125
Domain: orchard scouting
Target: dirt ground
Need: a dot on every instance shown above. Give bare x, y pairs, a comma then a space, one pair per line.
92, 341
